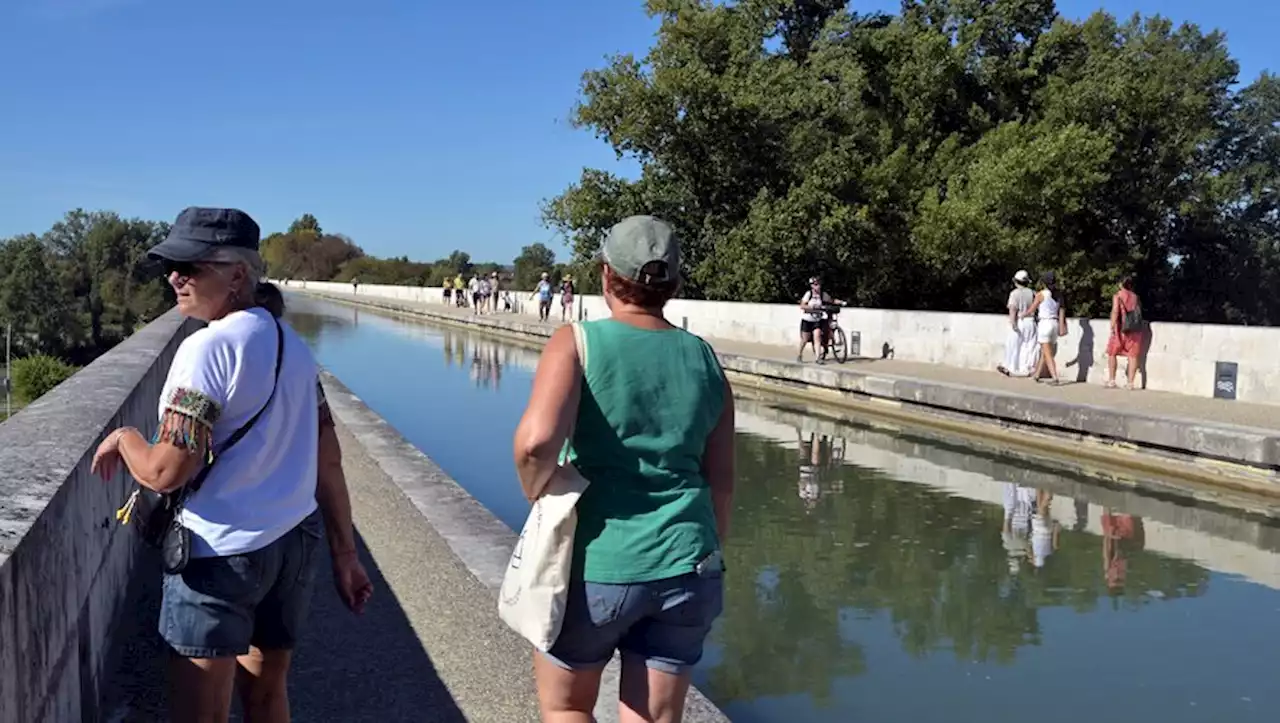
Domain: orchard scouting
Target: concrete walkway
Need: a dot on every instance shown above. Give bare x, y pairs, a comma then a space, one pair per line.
1263, 416
428, 648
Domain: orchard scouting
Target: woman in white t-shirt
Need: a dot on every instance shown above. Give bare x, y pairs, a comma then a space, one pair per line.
1050, 313
245, 435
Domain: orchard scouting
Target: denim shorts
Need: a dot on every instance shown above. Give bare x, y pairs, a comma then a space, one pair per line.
664, 622
218, 606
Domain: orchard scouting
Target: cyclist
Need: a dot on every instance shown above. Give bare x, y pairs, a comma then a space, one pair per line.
814, 319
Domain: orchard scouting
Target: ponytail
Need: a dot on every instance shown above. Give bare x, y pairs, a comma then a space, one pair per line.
268, 296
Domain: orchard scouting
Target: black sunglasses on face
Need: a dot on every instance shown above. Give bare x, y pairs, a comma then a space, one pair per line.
181, 268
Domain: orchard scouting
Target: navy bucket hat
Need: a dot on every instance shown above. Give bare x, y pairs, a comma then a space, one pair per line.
199, 231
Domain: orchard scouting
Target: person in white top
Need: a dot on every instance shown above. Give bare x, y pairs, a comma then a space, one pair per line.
814, 320
246, 445
1051, 322
1021, 354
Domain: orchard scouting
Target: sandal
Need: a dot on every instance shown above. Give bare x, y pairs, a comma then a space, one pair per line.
1111, 384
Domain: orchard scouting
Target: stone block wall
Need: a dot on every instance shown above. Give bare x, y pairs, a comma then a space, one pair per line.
65, 563
1180, 358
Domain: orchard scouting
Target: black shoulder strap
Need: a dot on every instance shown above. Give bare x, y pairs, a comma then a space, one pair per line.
194, 485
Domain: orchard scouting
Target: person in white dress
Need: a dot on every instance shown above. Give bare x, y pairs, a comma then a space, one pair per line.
1021, 351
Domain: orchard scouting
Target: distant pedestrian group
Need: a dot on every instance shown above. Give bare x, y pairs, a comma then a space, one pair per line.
1037, 319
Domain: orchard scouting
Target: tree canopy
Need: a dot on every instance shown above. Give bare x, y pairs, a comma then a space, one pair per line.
918, 160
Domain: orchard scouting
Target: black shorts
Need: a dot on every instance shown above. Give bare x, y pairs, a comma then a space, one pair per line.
807, 327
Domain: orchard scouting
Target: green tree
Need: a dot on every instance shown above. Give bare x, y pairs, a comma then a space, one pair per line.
33, 300
533, 261
34, 376
917, 160
305, 224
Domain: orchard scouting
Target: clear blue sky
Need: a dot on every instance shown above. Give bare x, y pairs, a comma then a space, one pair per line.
415, 127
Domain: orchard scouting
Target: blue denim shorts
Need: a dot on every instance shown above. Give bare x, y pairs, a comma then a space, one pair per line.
218, 606
664, 622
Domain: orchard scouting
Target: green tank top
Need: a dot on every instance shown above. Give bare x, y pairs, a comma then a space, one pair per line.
649, 402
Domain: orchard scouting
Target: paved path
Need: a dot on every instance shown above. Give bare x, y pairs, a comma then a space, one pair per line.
1166, 404
429, 647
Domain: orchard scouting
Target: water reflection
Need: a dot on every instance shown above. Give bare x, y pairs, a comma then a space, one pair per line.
881, 574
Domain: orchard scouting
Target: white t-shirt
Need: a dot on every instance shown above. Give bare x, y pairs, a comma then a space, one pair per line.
1020, 299
266, 484
815, 304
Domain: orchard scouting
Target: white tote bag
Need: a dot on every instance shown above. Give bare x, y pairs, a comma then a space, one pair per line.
536, 584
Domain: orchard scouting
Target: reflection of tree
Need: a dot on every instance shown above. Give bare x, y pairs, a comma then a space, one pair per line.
933, 563
311, 326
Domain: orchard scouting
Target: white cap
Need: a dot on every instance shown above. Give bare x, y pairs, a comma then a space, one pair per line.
1022, 276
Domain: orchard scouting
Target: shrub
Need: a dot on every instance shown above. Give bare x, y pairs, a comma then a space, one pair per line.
33, 376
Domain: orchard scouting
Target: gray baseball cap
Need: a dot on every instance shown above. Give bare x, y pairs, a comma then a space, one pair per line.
198, 231
636, 242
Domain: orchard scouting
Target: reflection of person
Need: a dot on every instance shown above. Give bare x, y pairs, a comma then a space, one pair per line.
255, 519
1044, 530
809, 488
1119, 531
1019, 502
652, 420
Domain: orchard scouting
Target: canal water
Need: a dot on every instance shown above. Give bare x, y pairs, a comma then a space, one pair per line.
882, 574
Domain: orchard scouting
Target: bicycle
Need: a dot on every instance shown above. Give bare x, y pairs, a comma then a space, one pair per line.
834, 341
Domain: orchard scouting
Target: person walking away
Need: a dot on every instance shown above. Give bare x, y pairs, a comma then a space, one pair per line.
566, 299
1020, 349
814, 320
1126, 333
1051, 322
241, 407
494, 291
448, 292
651, 415
483, 306
543, 293
459, 291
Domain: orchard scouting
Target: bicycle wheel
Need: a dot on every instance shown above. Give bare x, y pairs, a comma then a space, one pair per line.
839, 345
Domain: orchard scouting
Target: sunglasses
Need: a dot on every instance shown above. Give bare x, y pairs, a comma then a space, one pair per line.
187, 269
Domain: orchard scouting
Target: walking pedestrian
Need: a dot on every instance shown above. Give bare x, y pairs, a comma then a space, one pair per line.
1050, 313
1127, 327
1021, 352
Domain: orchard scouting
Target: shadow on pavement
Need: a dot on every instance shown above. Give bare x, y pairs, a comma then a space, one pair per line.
347, 668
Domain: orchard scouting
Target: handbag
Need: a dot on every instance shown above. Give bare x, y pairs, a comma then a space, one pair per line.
1132, 320
159, 515
535, 587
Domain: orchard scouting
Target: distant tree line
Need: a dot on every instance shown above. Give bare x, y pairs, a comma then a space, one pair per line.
917, 160
306, 252
82, 286
78, 289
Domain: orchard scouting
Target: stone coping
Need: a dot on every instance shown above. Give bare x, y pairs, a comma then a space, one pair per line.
44, 443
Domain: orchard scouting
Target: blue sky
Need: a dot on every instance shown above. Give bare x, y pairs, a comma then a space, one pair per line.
415, 127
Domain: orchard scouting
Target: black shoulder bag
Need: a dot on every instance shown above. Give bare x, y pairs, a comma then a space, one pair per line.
159, 514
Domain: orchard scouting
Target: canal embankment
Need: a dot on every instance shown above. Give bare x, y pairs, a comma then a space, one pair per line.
1212, 446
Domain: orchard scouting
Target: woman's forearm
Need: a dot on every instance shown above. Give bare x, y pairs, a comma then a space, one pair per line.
534, 466
332, 496
157, 472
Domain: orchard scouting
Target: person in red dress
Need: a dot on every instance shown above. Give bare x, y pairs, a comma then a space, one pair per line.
1125, 341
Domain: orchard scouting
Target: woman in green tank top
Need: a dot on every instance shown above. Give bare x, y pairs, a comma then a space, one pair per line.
652, 420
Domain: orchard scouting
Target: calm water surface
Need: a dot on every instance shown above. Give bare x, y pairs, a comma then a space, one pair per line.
887, 575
